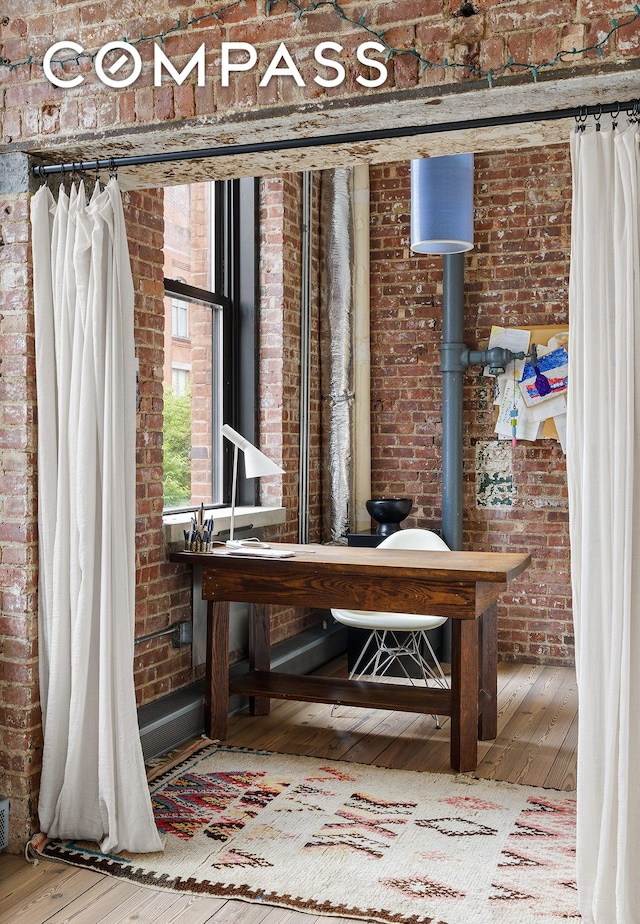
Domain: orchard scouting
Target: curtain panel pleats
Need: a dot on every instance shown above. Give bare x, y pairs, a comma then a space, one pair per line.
603, 467
93, 777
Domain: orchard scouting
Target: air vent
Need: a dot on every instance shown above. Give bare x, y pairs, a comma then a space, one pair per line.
4, 823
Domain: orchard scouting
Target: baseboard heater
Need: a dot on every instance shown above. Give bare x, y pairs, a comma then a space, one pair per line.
173, 719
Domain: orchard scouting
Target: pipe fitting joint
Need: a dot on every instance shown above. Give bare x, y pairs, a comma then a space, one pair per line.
451, 357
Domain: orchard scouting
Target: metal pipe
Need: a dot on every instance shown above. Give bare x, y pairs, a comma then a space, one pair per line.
181, 632
288, 144
336, 338
361, 476
452, 369
305, 358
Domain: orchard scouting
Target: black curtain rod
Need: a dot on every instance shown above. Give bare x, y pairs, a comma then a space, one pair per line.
112, 163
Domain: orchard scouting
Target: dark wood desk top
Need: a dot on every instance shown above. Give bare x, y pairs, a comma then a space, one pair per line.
459, 584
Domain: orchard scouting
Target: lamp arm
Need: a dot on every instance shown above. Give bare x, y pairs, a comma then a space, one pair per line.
234, 482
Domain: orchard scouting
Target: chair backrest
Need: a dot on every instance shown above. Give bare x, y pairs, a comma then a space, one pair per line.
415, 539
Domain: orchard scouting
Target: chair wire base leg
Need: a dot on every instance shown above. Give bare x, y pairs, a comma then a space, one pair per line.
385, 653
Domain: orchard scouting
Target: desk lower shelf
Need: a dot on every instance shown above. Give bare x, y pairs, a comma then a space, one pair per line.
365, 693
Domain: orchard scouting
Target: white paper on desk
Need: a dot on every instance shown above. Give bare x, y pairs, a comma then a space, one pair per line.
561, 426
510, 338
527, 429
553, 407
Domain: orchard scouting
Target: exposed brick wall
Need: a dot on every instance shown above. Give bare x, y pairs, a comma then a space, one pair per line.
163, 590
526, 32
517, 274
20, 724
280, 284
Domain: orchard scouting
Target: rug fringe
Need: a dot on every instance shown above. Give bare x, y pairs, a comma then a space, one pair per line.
33, 848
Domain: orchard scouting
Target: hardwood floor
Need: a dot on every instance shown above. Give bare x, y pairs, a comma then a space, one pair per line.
536, 743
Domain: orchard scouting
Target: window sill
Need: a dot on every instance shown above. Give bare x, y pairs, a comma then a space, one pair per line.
174, 524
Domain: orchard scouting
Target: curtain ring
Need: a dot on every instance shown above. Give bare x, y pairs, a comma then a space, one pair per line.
614, 117
597, 116
42, 176
113, 170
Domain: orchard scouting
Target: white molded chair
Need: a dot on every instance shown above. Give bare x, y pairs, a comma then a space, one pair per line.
384, 642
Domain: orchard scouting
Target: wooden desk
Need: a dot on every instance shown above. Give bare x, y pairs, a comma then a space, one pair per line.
461, 585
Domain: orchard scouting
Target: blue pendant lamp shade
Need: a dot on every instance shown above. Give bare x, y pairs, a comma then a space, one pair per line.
442, 204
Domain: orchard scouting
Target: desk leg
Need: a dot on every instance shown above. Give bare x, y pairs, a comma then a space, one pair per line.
216, 701
260, 652
488, 721
464, 694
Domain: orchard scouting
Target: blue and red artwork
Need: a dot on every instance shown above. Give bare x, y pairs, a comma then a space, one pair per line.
547, 379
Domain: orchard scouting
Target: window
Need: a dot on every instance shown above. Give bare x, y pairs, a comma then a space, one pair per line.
179, 319
180, 376
210, 372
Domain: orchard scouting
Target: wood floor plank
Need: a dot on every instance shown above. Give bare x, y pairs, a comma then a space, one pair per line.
17, 888
515, 683
505, 760
550, 732
284, 916
34, 902
562, 774
10, 864
237, 912
142, 906
101, 898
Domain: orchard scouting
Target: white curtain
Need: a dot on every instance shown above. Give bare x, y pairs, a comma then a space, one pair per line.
93, 778
603, 462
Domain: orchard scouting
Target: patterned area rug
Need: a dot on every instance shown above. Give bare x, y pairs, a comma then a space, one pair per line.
354, 841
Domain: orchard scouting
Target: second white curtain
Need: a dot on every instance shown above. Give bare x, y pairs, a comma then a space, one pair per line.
93, 778
603, 466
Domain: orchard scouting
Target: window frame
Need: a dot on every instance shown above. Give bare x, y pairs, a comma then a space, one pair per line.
235, 279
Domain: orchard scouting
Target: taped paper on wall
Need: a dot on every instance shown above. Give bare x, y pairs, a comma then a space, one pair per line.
551, 408
560, 420
527, 428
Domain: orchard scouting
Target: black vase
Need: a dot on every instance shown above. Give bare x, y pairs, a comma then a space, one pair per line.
389, 512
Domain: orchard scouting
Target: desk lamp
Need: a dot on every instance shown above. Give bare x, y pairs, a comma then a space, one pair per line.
255, 465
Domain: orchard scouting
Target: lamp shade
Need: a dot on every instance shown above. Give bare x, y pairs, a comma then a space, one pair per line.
442, 204
255, 462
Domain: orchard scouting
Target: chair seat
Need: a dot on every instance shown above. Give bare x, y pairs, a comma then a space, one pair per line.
400, 622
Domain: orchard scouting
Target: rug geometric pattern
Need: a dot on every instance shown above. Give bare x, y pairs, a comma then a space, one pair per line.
353, 841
